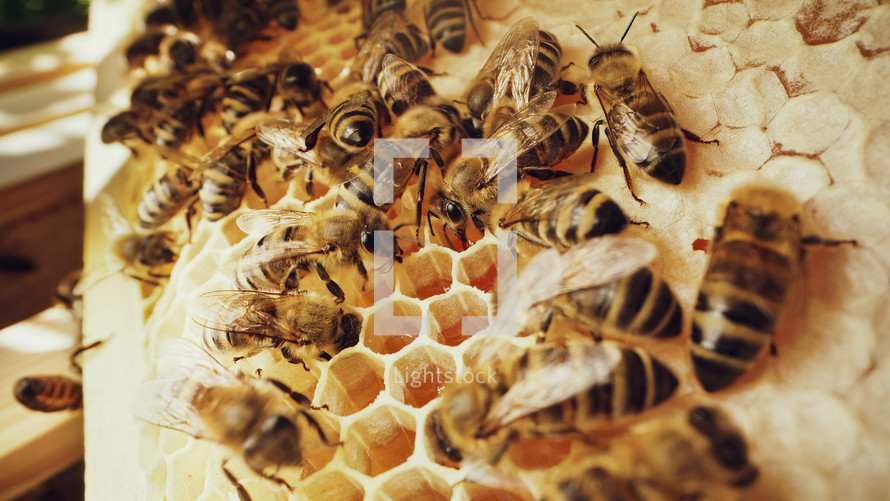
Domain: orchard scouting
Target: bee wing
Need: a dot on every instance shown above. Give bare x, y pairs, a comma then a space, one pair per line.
275, 251
517, 50
544, 198
369, 59
283, 134
633, 130
553, 383
264, 221
516, 128
113, 220
604, 259
186, 368
411, 91
245, 312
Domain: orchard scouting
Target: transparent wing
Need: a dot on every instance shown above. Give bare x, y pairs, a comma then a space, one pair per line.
593, 263
369, 59
264, 221
279, 250
186, 369
407, 82
114, 222
555, 382
245, 312
633, 130
542, 199
518, 51
283, 134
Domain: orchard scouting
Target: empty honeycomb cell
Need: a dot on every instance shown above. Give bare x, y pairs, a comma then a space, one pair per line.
766, 43
414, 484
724, 19
702, 73
332, 484
478, 267
389, 343
425, 274
448, 322
867, 86
419, 375
540, 452
353, 382
823, 108
379, 440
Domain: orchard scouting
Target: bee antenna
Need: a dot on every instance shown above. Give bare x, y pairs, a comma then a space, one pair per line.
629, 25
588, 36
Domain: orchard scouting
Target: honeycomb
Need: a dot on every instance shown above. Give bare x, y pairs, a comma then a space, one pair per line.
794, 90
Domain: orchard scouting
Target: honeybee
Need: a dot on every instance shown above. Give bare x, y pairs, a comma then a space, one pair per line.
144, 46
303, 325
262, 421
49, 393
523, 64
604, 284
446, 21
166, 196
285, 12
295, 242
641, 126
223, 185
145, 257
697, 454
68, 294
550, 388
755, 257
390, 34
563, 212
542, 139
372, 9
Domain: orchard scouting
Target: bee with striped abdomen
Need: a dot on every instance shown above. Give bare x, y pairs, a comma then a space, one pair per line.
605, 284
697, 454
302, 325
261, 421
295, 242
372, 9
49, 393
563, 212
223, 185
641, 126
755, 257
166, 196
548, 389
446, 21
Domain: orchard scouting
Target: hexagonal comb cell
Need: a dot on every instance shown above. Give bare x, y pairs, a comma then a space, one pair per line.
478, 267
382, 439
447, 324
332, 484
389, 344
414, 484
419, 376
353, 382
425, 274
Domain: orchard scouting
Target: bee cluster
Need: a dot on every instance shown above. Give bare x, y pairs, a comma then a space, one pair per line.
603, 394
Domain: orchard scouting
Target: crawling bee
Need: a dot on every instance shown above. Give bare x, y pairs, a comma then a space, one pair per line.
49, 393
548, 389
372, 9
542, 140
302, 325
262, 421
446, 21
755, 257
68, 294
296, 242
148, 257
223, 185
166, 196
604, 284
562, 212
697, 454
641, 126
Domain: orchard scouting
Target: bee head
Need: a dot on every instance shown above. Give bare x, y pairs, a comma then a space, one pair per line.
479, 99
614, 65
127, 247
449, 210
465, 406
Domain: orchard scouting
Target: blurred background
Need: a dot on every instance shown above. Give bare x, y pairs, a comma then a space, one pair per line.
24, 22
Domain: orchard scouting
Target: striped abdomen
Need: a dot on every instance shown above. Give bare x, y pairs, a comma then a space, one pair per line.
373, 8
224, 184
156, 250
556, 147
741, 297
49, 393
658, 149
354, 127
637, 383
174, 128
641, 303
446, 21
243, 98
402, 84
574, 218
275, 275
409, 44
547, 62
166, 196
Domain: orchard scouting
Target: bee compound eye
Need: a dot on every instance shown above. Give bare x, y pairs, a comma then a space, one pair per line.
368, 241
453, 212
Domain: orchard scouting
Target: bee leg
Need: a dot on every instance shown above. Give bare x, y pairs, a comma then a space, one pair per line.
332, 286
72, 359
421, 188
640, 223
547, 319
815, 240
242, 492
623, 164
364, 274
313, 423
692, 137
582, 90
298, 398
189, 214
490, 18
429, 223
277, 480
310, 188
252, 179
595, 140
